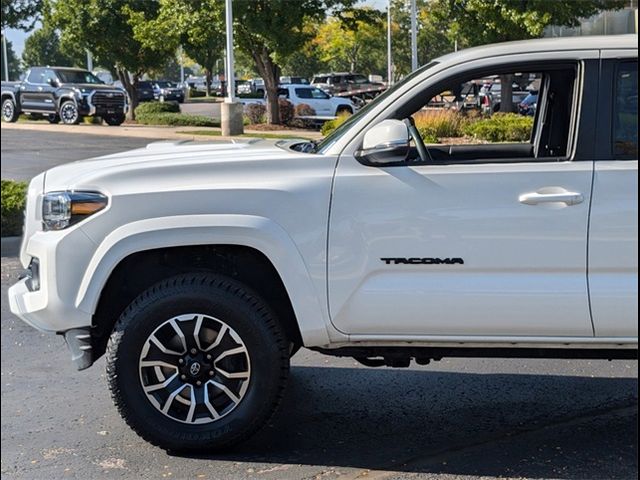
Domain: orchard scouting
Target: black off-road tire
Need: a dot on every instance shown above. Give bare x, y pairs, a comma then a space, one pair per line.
10, 112
53, 118
244, 312
114, 120
344, 109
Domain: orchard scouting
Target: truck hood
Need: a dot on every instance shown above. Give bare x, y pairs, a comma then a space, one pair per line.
89, 87
170, 163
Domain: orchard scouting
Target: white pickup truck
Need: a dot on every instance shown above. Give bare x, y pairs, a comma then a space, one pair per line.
325, 106
200, 268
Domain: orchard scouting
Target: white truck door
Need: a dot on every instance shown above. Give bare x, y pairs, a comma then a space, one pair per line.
613, 228
481, 240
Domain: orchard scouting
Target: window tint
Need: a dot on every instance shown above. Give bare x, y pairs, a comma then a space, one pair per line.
77, 76
49, 76
36, 75
625, 115
303, 93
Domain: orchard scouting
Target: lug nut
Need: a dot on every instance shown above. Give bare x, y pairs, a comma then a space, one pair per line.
193, 351
211, 373
198, 383
181, 361
183, 377
209, 357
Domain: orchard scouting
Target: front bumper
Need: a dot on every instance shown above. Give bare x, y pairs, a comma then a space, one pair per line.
62, 259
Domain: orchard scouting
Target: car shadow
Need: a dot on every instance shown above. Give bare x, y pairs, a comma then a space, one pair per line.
516, 425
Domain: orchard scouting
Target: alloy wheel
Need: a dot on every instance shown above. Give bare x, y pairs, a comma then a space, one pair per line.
69, 113
194, 368
7, 110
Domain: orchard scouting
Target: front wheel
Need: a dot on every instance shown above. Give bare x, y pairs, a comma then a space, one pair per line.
344, 111
114, 120
9, 111
69, 113
197, 362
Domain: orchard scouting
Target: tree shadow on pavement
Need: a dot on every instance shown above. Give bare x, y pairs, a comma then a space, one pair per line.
514, 425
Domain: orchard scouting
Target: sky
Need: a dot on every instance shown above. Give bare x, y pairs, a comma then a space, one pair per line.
17, 37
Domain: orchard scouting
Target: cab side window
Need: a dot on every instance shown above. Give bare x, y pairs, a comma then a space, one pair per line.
49, 76
625, 113
510, 114
36, 75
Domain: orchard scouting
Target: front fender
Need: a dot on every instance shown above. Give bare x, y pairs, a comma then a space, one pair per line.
256, 232
64, 96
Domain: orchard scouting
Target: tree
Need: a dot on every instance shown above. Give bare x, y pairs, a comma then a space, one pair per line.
42, 47
197, 26
20, 14
478, 22
353, 41
270, 31
105, 28
13, 63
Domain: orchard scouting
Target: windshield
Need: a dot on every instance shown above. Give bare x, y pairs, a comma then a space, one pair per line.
338, 132
165, 84
144, 84
77, 76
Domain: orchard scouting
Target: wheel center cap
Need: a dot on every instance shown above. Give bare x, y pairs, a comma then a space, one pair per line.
194, 369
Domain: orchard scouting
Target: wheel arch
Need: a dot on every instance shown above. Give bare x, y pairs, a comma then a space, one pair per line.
6, 95
66, 96
253, 250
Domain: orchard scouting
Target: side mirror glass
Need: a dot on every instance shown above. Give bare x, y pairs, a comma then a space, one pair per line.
386, 142
52, 81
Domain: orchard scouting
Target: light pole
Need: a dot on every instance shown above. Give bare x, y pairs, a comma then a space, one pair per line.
230, 110
4, 56
414, 37
389, 59
230, 74
181, 66
89, 61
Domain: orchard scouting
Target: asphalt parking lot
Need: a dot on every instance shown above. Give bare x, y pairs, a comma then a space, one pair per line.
454, 419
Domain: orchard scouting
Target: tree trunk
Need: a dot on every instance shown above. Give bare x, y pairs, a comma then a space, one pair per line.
506, 93
270, 73
132, 90
208, 78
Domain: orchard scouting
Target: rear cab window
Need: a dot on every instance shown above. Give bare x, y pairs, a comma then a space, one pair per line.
625, 112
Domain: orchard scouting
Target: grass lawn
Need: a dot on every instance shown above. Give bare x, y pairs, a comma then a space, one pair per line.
205, 100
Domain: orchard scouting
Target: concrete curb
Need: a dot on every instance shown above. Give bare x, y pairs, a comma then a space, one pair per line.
10, 246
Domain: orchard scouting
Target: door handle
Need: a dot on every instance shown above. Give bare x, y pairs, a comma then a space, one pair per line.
551, 195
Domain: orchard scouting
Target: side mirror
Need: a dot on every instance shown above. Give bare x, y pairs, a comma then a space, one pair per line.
53, 82
386, 142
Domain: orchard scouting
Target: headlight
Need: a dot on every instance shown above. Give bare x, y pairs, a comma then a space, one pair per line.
63, 209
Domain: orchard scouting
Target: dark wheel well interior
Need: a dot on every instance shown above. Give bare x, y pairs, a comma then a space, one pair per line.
139, 271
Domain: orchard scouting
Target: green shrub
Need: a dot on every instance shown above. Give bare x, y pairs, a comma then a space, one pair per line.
13, 203
250, 95
193, 93
436, 124
148, 108
255, 113
177, 119
328, 127
502, 127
